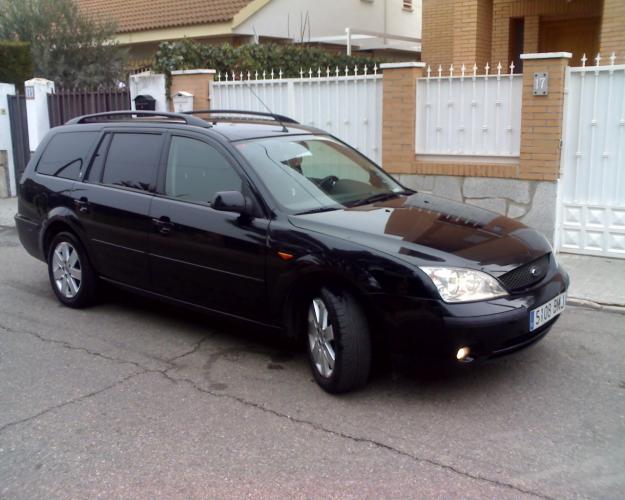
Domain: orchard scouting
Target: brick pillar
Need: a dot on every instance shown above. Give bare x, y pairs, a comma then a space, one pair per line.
194, 81
472, 27
399, 111
612, 32
530, 34
542, 116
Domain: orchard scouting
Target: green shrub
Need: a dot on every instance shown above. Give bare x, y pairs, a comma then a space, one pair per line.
16, 63
289, 58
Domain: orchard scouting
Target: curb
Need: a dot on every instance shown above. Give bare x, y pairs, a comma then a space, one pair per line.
589, 304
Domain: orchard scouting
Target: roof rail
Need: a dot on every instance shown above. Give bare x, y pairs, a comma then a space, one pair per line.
276, 117
109, 115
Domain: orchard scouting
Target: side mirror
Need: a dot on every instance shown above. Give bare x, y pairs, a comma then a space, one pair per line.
229, 201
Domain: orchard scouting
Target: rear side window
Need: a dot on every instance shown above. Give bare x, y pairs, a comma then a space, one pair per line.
196, 171
132, 161
65, 155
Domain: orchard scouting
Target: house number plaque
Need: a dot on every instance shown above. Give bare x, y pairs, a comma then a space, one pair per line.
541, 83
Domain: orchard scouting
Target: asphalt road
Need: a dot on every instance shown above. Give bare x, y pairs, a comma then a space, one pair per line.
133, 399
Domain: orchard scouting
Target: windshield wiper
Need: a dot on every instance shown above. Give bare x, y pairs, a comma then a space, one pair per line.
375, 197
317, 210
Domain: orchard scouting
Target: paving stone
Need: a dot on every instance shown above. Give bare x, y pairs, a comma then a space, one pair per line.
515, 211
417, 181
485, 187
448, 186
494, 204
542, 213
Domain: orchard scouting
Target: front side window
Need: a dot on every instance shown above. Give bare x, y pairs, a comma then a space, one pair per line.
132, 160
310, 173
196, 171
66, 153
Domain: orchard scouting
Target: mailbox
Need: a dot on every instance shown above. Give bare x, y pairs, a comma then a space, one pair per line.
145, 103
183, 101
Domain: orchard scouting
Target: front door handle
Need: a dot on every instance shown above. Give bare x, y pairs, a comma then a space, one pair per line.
82, 205
163, 224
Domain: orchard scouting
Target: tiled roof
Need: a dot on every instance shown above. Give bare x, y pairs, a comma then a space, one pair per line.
142, 15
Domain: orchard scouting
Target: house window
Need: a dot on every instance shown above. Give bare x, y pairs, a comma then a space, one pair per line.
407, 5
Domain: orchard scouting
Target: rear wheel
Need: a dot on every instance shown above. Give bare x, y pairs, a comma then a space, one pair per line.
71, 276
338, 341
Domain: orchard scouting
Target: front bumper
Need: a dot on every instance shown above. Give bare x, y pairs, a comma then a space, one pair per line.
433, 328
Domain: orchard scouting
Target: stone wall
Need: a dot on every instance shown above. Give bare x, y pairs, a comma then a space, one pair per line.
531, 202
4, 175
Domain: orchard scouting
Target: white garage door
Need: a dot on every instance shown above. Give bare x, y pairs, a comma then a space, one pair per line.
592, 195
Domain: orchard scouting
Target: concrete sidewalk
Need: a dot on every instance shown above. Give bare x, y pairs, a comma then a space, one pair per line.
596, 282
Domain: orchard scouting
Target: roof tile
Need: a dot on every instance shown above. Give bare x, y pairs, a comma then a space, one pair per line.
143, 15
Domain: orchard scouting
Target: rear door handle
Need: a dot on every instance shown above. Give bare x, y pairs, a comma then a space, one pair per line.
163, 225
82, 205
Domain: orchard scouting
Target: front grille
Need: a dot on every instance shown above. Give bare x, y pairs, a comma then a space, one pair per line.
526, 275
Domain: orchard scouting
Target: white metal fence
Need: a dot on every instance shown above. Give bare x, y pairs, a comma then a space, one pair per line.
469, 114
592, 194
345, 102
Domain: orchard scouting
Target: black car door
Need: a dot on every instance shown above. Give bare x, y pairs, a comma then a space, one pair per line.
114, 200
203, 256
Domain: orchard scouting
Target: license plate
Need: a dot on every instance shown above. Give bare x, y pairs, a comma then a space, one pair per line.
547, 311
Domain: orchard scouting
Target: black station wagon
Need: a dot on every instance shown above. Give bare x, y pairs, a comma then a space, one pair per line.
256, 217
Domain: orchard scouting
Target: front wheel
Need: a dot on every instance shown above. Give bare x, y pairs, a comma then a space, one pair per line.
339, 345
71, 276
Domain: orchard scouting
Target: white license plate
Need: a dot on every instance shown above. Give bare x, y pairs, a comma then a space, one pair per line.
547, 311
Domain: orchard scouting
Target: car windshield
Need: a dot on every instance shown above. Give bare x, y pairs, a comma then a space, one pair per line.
316, 173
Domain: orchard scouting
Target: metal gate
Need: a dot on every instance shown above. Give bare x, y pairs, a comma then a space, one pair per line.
592, 191
19, 133
65, 104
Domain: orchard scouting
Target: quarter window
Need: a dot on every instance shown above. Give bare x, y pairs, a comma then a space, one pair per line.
66, 153
132, 161
196, 171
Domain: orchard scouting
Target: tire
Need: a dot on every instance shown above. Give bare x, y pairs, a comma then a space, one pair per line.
71, 276
339, 348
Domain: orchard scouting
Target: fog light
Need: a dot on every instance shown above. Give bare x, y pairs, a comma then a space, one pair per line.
462, 353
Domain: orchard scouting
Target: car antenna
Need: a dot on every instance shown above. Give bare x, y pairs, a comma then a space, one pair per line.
284, 129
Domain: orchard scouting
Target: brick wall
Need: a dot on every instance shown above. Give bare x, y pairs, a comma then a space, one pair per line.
503, 10
465, 31
541, 129
613, 28
437, 32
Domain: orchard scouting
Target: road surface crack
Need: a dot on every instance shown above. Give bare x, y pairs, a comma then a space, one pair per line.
194, 349
356, 439
66, 345
72, 401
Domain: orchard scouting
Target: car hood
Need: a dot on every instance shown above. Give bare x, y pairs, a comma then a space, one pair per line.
428, 230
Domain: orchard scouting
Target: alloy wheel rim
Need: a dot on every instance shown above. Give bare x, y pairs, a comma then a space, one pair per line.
321, 338
66, 270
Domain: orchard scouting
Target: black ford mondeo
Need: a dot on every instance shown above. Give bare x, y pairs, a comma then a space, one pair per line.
258, 218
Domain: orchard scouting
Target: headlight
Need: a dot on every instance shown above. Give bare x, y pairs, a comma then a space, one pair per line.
464, 285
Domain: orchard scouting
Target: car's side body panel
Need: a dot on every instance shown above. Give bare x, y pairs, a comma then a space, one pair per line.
213, 259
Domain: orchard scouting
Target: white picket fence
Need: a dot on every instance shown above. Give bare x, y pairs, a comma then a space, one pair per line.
345, 102
469, 114
592, 191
